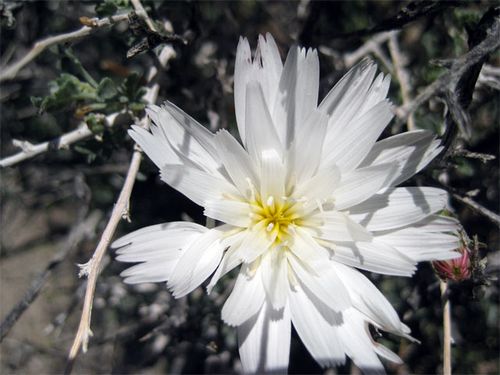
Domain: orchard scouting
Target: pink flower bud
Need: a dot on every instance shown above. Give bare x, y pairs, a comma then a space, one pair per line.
457, 269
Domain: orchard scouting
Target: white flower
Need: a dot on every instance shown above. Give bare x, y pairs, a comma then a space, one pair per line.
309, 197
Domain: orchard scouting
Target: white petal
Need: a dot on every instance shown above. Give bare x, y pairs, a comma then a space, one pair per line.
158, 246
347, 106
378, 91
242, 72
388, 354
437, 223
182, 135
237, 162
272, 67
316, 325
173, 231
350, 146
297, 95
320, 187
202, 135
369, 300
273, 173
265, 68
337, 226
274, 272
229, 211
358, 343
255, 243
359, 185
197, 185
412, 150
415, 164
230, 260
247, 297
327, 286
260, 132
157, 148
306, 151
307, 87
165, 248
197, 262
264, 341
271, 59
308, 251
420, 245
348, 86
374, 257
283, 114
155, 271
398, 207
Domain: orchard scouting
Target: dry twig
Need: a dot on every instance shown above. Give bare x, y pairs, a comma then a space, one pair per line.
409, 13
493, 217
446, 328
29, 150
120, 210
402, 75
484, 158
141, 12
460, 66
372, 45
82, 132
92, 267
91, 25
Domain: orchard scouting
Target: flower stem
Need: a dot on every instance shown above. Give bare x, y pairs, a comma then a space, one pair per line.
446, 328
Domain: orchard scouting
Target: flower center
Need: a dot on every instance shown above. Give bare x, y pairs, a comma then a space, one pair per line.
276, 217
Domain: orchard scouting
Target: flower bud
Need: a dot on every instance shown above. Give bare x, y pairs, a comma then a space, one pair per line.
457, 269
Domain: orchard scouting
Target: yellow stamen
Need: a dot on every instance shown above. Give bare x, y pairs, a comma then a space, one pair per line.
276, 216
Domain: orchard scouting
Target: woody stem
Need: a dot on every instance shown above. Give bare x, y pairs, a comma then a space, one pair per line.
446, 328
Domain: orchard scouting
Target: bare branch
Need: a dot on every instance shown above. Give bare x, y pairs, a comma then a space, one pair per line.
82, 132
372, 46
84, 332
91, 25
484, 158
92, 267
141, 12
399, 62
459, 67
79, 232
443, 285
29, 150
409, 13
493, 217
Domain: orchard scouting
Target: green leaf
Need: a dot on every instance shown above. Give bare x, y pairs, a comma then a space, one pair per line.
131, 85
65, 90
137, 107
95, 123
68, 53
106, 89
132, 92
